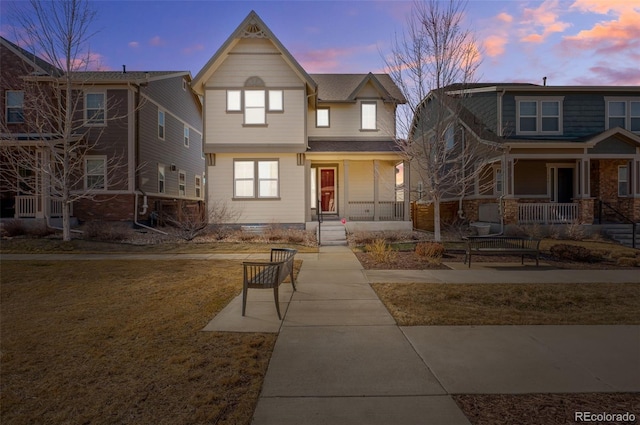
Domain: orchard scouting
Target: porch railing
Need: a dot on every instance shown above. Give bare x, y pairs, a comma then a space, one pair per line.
26, 207
365, 211
547, 213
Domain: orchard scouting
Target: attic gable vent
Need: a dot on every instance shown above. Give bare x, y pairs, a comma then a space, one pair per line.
254, 82
253, 30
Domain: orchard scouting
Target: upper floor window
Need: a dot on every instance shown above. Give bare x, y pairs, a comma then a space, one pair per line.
322, 117
623, 113
95, 113
186, 136
368, 116
234, 103
539, 116
449, 138
14, 107
95, 172
161, 126
276, 101
255, 178
254, 107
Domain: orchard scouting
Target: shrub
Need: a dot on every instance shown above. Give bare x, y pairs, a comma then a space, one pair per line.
13, 228
380, 251
628, 262
575, 231
101, 231
431, 251
572, 253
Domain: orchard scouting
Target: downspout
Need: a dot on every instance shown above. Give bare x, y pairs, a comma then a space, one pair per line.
137, 191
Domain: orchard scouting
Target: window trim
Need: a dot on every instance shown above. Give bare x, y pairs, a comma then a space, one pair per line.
262, 108
162, 126
539, 116
7, 108
198, 186
87, 120
182, 187
270, 108
102, 158
375, 122
162, 188
627, 117
626, 181
328, 117
256, 179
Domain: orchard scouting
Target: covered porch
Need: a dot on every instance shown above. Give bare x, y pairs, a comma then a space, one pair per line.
367, 191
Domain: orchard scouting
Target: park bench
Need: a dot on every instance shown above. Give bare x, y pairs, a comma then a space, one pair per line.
502, 245
268, 275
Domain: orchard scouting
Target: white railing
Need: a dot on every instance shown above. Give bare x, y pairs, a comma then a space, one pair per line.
365, 211
25, 206
547, 213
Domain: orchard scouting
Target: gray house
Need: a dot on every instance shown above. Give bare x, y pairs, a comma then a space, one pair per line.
566, 154
143, 129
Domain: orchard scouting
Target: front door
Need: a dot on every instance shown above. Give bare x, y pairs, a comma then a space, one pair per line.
565, 185
328, 200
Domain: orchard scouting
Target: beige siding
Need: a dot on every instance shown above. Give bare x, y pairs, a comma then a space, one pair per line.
288, 209
344, 121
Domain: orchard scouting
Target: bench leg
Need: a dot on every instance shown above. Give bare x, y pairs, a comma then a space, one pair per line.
244, 299
522, 260
293, 282
275, 296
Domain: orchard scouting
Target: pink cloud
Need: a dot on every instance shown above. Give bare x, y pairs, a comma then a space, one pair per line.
504, 17
494, 45
323, 60
542, 21
602, 74
603, 7
614, 36
134, 44
192, 49
156, 41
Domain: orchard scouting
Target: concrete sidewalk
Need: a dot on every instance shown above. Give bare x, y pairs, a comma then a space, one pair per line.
341, 359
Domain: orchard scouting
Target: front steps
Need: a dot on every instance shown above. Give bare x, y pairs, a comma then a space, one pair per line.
332, 233
621, 233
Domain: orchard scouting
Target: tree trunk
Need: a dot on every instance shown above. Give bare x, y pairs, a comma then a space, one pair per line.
437, 236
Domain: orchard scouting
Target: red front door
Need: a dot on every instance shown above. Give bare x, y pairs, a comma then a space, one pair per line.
328, 190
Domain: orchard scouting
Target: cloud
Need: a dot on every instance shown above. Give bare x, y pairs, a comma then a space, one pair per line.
322, 60
134, 44
603, 7
156, 41
192, 49
602, 74
618, 35
538, 23
504, 17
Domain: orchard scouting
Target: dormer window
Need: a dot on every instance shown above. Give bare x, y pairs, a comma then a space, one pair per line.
539, 116
255, 101
368, 116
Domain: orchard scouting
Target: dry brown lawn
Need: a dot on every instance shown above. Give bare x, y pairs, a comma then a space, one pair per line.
413, 304
121, 342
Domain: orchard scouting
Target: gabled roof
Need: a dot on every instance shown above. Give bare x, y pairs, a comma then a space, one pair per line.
41, 66
119, 77
251, 27
346, 87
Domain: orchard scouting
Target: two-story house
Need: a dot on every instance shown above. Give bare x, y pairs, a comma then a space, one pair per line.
283, 145
143, 131
568, 154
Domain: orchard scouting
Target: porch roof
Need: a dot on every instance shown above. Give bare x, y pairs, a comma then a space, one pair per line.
358, 146
588, 141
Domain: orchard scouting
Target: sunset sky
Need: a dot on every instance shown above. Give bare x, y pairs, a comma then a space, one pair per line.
571, 42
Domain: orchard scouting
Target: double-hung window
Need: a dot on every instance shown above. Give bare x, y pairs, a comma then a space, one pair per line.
182, 183
539, 116
14, 107
623, 113
186, 136
95, 112
161, 178
254, 107
198, 187
368, 116
623, 180
255, 178
95, 172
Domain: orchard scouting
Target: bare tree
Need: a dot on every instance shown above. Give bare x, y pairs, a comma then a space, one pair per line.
433, 63
54, 112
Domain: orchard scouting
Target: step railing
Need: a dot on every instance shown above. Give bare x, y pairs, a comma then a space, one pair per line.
320, 219
602, 205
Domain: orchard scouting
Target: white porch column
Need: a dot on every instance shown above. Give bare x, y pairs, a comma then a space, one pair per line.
376, 209
406, 180
346, 188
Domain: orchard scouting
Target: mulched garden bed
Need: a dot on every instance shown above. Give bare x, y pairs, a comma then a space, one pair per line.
409, 260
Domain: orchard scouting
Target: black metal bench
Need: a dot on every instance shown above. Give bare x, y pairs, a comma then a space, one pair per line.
502, 245
268, 275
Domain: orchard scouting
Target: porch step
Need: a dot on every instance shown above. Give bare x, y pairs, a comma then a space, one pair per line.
333, 234
622, 233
